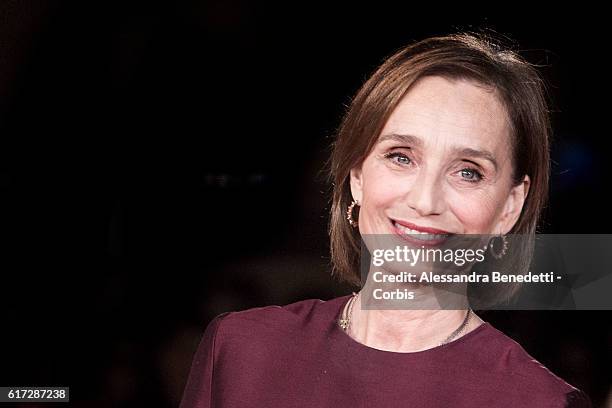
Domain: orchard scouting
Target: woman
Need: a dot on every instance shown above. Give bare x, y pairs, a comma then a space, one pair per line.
449, 135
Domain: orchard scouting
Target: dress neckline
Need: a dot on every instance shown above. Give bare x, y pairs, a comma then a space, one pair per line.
358, 347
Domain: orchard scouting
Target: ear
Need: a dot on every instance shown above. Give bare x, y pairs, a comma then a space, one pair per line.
513, 206
356, 183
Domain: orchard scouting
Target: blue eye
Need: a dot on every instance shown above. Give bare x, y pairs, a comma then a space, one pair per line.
403, 159
471, 175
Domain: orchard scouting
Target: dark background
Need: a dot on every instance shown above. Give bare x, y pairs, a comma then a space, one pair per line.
160, 164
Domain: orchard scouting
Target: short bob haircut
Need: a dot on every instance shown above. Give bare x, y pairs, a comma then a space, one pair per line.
469, 56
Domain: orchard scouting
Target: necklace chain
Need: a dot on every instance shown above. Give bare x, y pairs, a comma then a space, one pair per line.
345, 321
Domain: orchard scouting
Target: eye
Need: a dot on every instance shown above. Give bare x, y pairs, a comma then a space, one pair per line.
398, 158
471, 175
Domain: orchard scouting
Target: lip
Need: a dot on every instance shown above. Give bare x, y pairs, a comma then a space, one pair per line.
419, 228
415, 241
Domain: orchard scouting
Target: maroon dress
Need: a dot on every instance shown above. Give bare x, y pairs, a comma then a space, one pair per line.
297, 356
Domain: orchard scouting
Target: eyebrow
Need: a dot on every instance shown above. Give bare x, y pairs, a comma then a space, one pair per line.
461, 151
407, 139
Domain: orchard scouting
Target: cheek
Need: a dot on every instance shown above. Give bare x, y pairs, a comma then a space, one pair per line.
476, 211
372, 218
377, 197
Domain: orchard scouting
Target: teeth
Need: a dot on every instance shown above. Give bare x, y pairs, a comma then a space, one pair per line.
425, 236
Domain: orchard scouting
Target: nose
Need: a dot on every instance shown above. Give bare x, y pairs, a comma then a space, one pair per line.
425, 195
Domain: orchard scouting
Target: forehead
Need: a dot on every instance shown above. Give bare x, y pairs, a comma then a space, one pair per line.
443, 111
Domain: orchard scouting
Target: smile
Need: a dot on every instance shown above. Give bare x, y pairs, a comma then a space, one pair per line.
420, 235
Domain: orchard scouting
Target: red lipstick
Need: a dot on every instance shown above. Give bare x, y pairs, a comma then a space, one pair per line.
419, 228
413, 239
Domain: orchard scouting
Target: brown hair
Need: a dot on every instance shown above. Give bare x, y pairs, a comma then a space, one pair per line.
476, 57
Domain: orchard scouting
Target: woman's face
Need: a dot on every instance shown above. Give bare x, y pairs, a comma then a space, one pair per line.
443, 162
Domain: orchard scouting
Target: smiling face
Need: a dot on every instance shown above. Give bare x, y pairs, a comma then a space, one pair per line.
442, 163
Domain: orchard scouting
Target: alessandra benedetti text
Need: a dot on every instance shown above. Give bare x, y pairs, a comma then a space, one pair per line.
473, 277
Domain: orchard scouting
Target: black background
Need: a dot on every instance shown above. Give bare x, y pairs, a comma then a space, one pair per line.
161, 163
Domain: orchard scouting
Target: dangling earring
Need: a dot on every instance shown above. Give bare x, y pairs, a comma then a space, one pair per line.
349, 213
504, 246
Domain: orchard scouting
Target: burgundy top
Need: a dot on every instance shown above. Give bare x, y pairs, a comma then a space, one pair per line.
297, 356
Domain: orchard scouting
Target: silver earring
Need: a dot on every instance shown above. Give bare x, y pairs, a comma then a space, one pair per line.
504, 246
349, 213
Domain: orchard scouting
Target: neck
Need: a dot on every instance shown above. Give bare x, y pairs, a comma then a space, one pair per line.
407, 330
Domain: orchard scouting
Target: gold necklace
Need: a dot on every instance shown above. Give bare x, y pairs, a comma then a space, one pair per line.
345, 320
